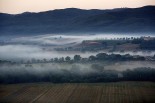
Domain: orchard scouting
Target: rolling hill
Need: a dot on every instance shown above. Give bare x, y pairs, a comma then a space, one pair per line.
73, 20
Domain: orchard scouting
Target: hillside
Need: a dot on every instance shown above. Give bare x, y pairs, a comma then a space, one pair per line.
118, 92
73, 20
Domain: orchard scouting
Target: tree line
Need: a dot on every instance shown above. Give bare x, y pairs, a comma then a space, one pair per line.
66, 76
97, 58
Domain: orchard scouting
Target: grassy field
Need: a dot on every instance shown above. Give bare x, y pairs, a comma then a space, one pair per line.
119, 92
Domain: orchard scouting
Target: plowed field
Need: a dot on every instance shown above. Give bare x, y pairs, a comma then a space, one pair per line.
119, 92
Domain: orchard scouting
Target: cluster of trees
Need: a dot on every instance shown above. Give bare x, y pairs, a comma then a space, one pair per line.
139, 74
92, 58
66, 76
76, 58
148, 45
5, 61
145, 44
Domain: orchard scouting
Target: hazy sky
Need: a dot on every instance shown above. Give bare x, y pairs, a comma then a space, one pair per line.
19, 6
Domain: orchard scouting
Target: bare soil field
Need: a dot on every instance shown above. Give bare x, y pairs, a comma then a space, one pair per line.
115, 92
128, 47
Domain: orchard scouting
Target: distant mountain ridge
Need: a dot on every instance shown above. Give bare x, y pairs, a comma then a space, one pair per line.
73, 20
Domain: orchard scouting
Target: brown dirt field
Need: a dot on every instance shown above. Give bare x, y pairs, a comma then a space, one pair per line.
127, 47
118, 92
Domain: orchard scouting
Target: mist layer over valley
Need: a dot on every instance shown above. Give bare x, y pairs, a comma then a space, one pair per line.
43, 46
77, 72
41, 59
76, 45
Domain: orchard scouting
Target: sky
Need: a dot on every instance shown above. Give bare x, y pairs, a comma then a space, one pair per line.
19, 6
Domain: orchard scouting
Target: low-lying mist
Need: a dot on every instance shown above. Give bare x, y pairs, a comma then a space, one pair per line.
42, 46
28, 52
74, 72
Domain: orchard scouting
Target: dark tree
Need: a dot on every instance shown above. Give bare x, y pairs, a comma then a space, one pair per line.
77, 58
56, 59
92, 58
67, 58
61, 59
101, 56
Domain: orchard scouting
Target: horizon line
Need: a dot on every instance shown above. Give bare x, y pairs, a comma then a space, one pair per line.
73, 8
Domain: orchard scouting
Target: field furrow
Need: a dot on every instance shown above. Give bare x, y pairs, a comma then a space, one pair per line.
118, 92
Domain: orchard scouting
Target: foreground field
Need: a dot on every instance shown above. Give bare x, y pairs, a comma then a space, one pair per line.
119, 92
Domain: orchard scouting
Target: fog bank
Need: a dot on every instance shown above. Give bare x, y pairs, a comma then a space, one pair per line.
75, 72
